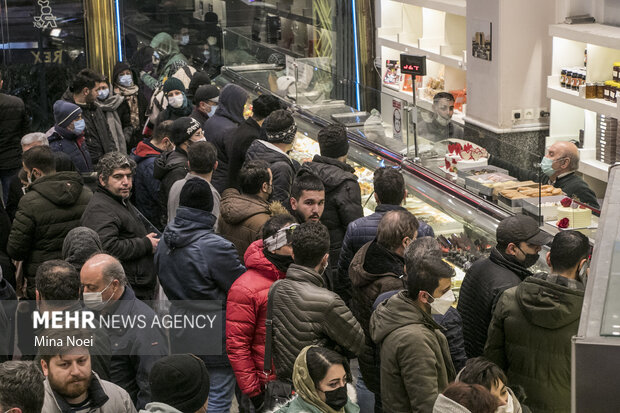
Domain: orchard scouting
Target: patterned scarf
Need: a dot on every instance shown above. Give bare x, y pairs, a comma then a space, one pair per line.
131, 97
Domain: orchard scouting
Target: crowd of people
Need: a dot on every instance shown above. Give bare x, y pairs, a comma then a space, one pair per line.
124, 204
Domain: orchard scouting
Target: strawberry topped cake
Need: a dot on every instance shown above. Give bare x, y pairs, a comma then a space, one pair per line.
464, 156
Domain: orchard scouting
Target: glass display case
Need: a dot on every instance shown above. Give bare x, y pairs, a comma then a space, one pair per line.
596, 348
453, 184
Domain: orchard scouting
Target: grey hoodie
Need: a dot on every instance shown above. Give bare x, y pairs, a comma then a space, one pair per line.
156, 407
79, 244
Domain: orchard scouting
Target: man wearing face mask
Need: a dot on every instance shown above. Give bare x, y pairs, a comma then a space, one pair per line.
68, 135
519, 240
267, 260
547, 307
52, 207
134, 350
83, 92
559, 167
304, 311
110, 104
415, 357
205, 101
173, 166
438, 126
146, 187
178, 104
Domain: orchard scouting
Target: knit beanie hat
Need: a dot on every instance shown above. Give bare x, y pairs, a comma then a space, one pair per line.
206, 92
280, 127
183, 128
199, 79
65, 112
180, 381
196, 193
173, 84
333, 141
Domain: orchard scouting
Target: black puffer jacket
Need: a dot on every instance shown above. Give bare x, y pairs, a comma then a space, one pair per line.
343, 200
283, 169
169, 167
13, 125
484, 283
305, 313
374, 270
97, 133
50, 209
241, 140
123, 235
219, 128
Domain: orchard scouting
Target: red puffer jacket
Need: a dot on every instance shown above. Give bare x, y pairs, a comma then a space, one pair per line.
246, 311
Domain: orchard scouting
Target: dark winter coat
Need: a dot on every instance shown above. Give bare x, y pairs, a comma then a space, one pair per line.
13, 125
482, 286
343, 199
241, 138
374, 270
8, 305
169, 168
97, 133
451, 327
135, 350
194, 263
6, 264
63, 140
283, 169
199, 116
246, 312
50, 209
306, 313
123, 235
530, 338
360, 232
242, 218
220, 127
145, 186
415, 358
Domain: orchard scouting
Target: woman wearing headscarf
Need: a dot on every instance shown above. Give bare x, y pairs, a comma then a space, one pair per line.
320, 378
132, 110
109, 104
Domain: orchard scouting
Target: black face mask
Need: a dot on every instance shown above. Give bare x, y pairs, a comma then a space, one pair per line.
530, 259
336, 399
281, 262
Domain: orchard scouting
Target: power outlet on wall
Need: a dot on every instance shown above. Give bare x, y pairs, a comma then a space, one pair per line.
517, 115
542, 112
528, 113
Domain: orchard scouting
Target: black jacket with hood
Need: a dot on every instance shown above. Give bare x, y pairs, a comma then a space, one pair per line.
343, 200
220, 127
169, 167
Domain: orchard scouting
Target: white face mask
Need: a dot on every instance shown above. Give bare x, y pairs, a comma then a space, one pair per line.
184, 40
94, 301
176, 101
442, 304
508, 407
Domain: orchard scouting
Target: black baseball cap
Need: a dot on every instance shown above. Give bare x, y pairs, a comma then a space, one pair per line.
521, 228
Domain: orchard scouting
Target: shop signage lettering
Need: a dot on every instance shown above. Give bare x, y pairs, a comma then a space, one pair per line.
47, 57
46, 19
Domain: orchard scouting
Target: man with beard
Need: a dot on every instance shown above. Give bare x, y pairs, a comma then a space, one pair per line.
307, 200
439, 127
71, 385
519, 240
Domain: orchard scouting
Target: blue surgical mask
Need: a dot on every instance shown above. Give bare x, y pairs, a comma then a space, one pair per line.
79, 126
212, 111
103, 94
125, 80
206, 54
546, 166
184, 40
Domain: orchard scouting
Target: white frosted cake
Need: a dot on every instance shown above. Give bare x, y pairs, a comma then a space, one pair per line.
577, 217
464, 157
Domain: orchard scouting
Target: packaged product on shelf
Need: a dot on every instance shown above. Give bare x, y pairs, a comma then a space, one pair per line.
392, 73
